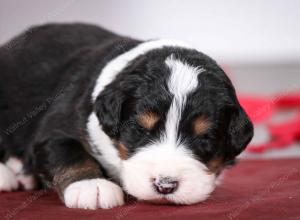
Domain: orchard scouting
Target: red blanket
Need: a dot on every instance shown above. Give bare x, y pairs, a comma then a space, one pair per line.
261, 110
267, 189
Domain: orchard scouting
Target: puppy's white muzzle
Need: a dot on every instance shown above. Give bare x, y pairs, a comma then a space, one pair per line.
158, 172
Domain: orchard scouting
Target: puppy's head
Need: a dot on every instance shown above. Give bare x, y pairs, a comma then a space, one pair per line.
176, 122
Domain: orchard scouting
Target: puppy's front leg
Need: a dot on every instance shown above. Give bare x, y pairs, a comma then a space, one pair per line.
75, 174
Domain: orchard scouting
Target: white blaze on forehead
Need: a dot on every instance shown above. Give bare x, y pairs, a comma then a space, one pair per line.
183, 80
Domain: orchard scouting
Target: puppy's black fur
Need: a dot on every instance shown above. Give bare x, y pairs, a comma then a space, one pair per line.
47, 75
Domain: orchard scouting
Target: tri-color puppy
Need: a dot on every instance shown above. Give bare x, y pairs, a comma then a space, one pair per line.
92, 113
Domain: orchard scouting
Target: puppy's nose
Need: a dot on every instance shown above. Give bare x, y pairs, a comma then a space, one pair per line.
165, 185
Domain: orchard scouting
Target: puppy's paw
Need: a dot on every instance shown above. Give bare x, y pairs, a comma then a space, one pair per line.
8, 180
26, 182
93, 194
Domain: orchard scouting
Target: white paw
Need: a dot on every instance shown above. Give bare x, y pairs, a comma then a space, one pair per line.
14, 164
93, 194
8, 180
26, 182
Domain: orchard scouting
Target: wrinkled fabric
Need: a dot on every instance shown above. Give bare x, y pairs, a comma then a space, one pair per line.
261, 109
254, 189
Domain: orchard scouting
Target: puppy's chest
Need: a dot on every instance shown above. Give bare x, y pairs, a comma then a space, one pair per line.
102, 148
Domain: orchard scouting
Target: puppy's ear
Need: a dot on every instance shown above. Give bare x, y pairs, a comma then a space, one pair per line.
239, 130
108, 107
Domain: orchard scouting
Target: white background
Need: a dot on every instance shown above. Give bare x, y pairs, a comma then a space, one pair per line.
231, 31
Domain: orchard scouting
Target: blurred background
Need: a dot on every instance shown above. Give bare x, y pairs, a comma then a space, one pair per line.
257, 41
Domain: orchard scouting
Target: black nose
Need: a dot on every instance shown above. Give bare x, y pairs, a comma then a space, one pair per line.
165, 185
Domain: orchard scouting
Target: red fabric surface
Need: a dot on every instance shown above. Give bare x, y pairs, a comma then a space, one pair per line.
266, 189
260, 109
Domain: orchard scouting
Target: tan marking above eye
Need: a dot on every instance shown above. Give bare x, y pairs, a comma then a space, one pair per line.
148, 119
201, 125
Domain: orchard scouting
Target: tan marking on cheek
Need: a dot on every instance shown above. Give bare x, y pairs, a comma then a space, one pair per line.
148, 119
201, 125
216, 164
123, 151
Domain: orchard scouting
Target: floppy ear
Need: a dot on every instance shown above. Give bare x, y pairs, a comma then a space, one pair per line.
108, 107
239, 132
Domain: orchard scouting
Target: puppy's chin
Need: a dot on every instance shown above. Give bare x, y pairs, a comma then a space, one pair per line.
194, 182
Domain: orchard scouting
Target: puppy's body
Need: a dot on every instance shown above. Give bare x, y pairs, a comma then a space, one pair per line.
44, 63
80, 104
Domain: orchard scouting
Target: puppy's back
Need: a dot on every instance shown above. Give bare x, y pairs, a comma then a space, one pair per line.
31, 68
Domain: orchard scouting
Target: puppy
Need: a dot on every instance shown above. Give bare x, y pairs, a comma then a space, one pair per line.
91, 113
